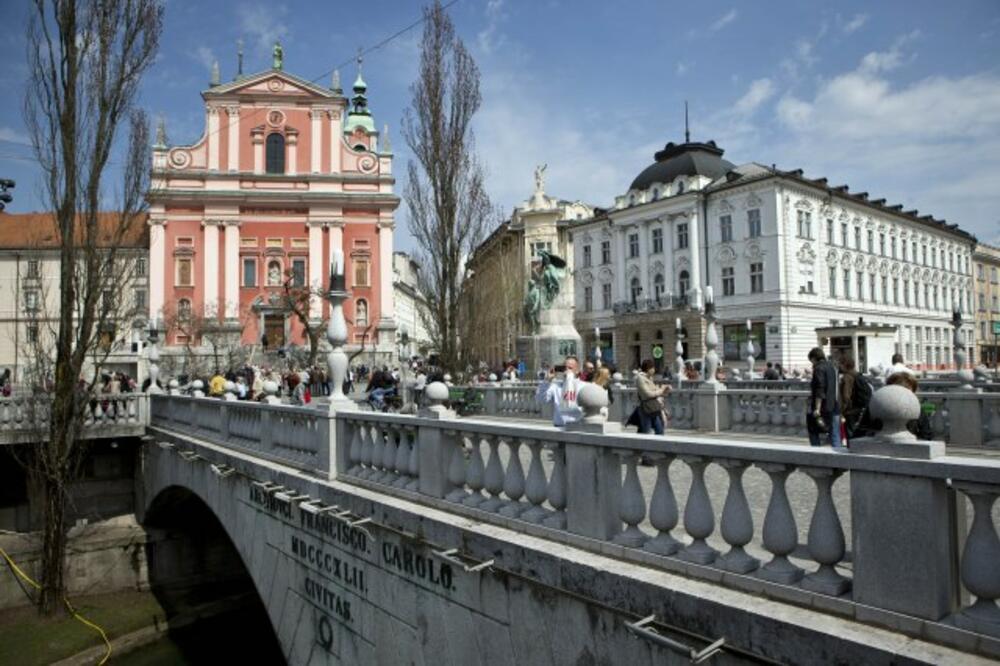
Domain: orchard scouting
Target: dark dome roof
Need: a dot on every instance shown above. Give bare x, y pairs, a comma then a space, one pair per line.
686, 159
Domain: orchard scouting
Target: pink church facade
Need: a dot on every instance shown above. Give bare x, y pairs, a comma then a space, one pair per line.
286, 173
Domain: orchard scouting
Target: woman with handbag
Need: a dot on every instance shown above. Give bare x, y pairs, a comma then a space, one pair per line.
651, 405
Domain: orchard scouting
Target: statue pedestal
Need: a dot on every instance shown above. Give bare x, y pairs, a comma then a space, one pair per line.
555, 340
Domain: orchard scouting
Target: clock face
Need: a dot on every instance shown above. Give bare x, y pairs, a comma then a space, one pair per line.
275, 118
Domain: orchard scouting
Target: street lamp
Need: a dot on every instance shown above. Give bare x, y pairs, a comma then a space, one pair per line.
154, 356
404, 363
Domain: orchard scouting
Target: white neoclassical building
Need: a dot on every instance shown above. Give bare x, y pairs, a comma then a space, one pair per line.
788, 253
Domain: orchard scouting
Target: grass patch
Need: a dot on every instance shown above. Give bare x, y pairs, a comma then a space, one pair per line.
26, 638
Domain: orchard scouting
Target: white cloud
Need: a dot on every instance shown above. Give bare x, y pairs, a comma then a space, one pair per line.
682, 67
855, 23
759, 92
10, 135
724, 20
489, 38
205, 56
883, 61
263, 24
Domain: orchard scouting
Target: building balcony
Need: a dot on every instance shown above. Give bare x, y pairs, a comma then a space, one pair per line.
659, 304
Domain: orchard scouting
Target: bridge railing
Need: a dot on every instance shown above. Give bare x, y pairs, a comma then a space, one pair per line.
25, 418
290, 435
780, 530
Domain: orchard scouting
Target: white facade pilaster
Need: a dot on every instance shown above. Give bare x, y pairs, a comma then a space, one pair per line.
694, 251
291, 165
157, 265
210, 267
621, 280
315, 268
335, 139
335, 241
233, 117
257, 138
315, 142
232, 286
668, 254
385, 231
213, 138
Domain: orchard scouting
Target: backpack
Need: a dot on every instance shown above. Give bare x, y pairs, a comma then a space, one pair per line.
862, 392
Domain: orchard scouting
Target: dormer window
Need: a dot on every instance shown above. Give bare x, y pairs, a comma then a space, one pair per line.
275, 161
680, 187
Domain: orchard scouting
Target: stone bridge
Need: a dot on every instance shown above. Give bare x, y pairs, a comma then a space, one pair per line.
429, 539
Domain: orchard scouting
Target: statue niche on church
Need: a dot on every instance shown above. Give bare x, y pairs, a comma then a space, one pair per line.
547, 273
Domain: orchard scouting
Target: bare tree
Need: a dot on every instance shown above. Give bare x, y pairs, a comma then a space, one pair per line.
86, 59
298, 299
449, 209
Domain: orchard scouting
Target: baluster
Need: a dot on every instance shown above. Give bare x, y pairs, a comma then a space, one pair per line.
456, 468
513, 482
536, 487
736, 415
494, 476
356, 443
775, 416
367, 450
791, 416
826, 536
475, 474
414, 462
737, 523
557, 488
388, 456
780, 533
378, 451
750, 415
699, 518
663, 514
991, 423
980, 567
631, 503
402, 463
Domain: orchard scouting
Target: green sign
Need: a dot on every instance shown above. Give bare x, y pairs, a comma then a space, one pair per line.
657, 352
996, 328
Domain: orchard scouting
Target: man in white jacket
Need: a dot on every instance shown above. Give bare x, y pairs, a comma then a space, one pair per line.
561, 392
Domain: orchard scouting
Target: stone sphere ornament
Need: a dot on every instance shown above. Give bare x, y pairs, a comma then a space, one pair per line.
436, 392
593, 401
894, 406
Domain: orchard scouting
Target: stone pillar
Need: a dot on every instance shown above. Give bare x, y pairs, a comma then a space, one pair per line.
232, 284
711, 406
315, 267
213, 138
233, 112
210, 268
257, 139
315, 139
966, 417
593, 476
336, 137
901, 518
157, 265
386, 306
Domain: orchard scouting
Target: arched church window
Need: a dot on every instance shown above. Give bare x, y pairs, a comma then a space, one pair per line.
274, 273
361, 313
636, 288
275, 161
684, 283
659, 285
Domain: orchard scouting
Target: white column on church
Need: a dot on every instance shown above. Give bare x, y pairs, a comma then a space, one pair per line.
386, 304
157, 265
335, 139
210, 267
233, 113
694, 245
213, 138
232, 287
316, 268
315, 139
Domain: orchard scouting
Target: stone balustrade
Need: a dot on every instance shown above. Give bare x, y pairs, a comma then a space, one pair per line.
25, 418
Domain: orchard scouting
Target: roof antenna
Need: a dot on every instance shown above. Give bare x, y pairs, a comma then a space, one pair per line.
687, 131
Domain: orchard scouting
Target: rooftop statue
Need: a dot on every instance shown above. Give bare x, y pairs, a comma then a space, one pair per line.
540, 178
279, 56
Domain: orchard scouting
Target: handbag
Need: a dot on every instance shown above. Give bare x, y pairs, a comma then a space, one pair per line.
652, 405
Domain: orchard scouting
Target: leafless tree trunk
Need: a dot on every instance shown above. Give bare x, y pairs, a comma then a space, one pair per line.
86, 59
298, 299
449, 209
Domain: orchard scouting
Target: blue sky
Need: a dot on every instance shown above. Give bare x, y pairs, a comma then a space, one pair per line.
901, 99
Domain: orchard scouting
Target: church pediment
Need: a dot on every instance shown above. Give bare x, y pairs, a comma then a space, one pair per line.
272, 82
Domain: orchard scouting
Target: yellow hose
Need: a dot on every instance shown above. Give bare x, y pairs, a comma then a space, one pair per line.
69, 606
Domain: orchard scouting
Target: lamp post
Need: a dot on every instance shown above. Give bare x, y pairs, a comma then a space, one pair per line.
404, 364
711, 340
965, 375
751, 352
153, 355
679, 349
597, 346
336, 335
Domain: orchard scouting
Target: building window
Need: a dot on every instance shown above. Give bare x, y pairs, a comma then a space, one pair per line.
902, 247
881, 244
906, 291
934, 257
34, 268
605, 252
248, 241
30, 300
275, 160
683, 283
140, 300
993, 274
832, 281
361, 313
277, 243
861, 285
633, 246
847, 283
140, 267
185, 275
756, 278
184, 309
682, 236
728, 281
538, 246
360, 272
857, 238
753, 222
871, 241
804, 219
923, 251
32, 333
657, 236
659, 286
586, 256
726, 228
829, 232
636, 289
885, 290
927, 296
274, 273
996, 306
298, 272
843, 234
249, 272
871, 289
588, 299
892, 246
606, 296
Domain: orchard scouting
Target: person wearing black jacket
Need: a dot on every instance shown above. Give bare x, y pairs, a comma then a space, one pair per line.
823, 417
